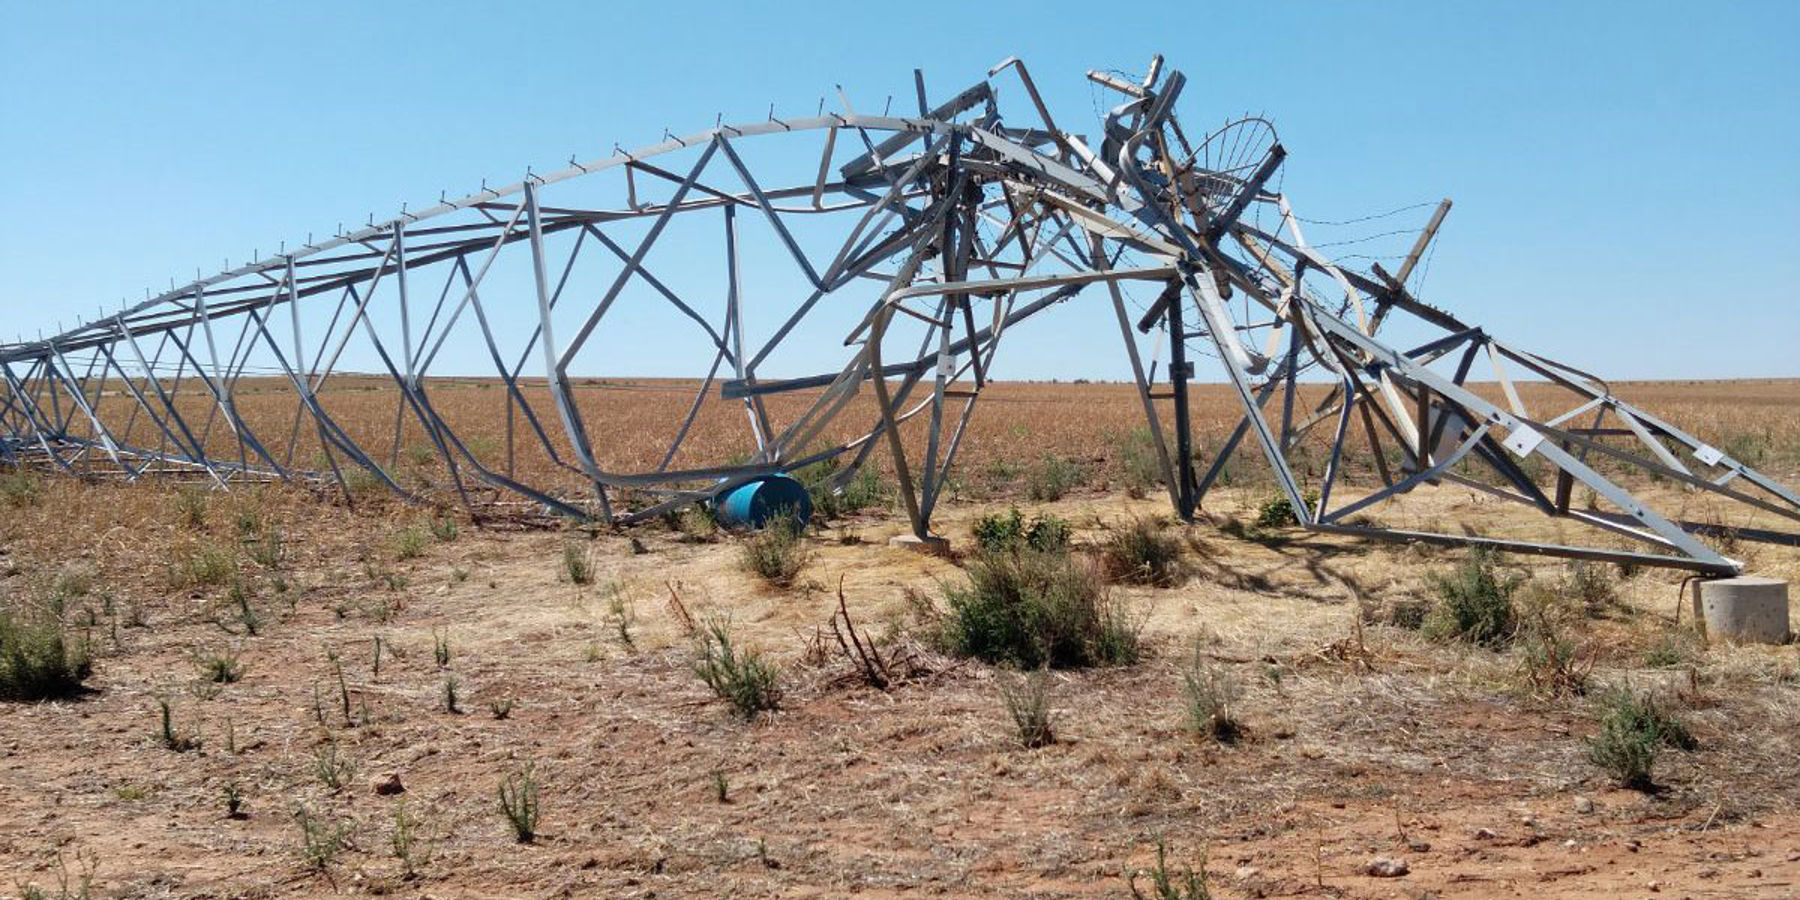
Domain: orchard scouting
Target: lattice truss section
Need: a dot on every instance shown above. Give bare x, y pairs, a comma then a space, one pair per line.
437, 354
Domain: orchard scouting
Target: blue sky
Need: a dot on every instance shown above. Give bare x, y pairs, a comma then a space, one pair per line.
1624, 174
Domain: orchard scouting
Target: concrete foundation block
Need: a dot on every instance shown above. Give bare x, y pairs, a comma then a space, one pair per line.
1747, 608
934, 545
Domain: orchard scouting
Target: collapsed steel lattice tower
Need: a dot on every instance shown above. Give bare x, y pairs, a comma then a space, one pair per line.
921, 240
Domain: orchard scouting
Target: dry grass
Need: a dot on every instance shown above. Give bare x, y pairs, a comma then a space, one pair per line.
1362, 738
1022, 441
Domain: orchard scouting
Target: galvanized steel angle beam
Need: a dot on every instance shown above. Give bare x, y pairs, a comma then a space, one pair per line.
941, 231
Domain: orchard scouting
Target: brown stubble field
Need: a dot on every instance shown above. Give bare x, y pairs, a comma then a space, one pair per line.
1364, 738
633, 421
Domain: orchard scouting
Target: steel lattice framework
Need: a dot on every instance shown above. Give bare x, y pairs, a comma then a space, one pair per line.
921, 240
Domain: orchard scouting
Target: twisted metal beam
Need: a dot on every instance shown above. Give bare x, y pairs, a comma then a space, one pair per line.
945, 230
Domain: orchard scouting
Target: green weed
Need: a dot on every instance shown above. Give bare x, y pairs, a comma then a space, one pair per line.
519, 803
1475, 602
38, 661
1033, 609
742, 678
777, 553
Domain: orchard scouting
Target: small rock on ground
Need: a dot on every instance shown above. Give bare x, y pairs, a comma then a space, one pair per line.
1383, 867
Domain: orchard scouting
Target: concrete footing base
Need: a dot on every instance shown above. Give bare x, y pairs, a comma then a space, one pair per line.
1746, 608
934, 545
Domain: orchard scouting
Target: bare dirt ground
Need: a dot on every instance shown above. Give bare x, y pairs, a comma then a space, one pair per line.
1365, 740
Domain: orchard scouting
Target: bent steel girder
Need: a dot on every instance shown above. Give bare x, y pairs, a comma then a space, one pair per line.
906, 247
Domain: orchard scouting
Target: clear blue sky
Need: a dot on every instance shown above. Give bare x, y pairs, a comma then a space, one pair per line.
1625, 173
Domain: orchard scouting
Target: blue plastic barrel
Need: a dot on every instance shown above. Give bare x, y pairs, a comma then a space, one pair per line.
754, 504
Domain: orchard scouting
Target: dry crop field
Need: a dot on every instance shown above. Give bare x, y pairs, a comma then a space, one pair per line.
264, 693
1020, 433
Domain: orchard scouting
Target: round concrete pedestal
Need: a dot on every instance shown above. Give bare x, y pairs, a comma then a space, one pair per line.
1746, 608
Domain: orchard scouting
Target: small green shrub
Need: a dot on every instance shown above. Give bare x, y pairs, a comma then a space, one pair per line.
577, 564
38, 661
238, 596
819, 479
190, 505
409, 543
1211, 693
1474, 603
777, 553
1035, 608
405, 841
363, 483
1672, 648
1027, 701
1633, 729
166, 733
697, 524
866, 489
1166, 884
70, 584
519, 803
249, 520
333, 769
1010, 532
623, 614
20, 488
741, 678
1052, 477
1143, 553
1277, 511
267, 550
444, 529
208, 565
1590, 584
222, 667
320, 841
1000, 473
440, 647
